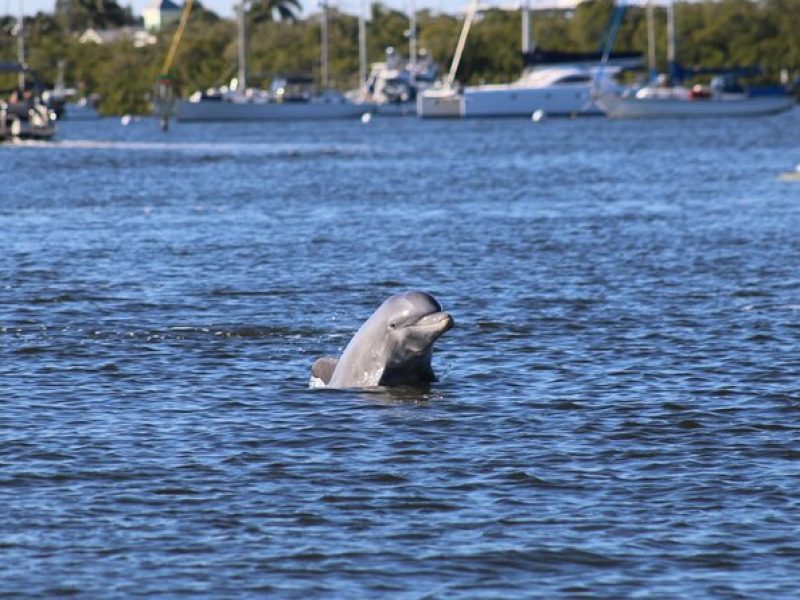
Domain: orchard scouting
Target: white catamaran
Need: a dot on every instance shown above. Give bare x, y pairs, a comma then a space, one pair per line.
552, 83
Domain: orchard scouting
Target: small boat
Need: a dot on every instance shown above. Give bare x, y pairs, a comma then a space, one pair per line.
393, 85
23, 116
667, 96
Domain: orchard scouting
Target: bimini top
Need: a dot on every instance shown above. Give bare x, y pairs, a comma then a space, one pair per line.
7, 66
541, 57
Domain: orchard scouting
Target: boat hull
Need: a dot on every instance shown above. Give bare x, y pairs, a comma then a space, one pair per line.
396, 109
267, 111
518, 101
618, 107
438, 104
20, 123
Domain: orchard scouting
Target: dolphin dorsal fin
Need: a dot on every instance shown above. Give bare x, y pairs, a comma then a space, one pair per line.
322, 370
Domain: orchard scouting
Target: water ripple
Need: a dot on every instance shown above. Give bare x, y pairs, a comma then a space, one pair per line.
615, 412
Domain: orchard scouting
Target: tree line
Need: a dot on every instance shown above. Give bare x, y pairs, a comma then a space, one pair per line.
711, 33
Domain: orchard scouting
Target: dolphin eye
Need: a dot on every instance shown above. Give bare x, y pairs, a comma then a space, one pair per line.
393, 325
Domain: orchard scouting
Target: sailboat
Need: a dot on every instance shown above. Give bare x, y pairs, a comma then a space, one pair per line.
666, 96
555, 83
289, 98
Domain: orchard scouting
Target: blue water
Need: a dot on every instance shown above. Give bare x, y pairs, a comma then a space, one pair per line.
618, 406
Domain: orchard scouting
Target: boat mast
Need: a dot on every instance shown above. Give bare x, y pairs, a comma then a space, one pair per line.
462, 40
323, 31
21, 46
412, 43
242, 83
525, 8
651, 40
670, 39
362, 45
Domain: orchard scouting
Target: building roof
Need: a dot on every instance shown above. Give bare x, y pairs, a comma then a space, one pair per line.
164, 5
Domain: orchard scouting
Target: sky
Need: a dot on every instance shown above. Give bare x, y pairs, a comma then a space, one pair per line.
225, 7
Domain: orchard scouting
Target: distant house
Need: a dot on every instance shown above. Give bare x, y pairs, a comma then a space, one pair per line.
159, 14
139, 38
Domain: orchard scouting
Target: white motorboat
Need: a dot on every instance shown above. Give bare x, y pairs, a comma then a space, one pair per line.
557, 83
552, 83
394, 84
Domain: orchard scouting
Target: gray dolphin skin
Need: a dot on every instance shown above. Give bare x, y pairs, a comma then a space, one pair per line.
392, 348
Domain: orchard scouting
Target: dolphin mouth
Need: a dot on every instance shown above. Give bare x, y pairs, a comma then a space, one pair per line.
435, 321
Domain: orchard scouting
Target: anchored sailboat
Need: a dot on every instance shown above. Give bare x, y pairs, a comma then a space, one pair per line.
666, 96
555, 83
288, 99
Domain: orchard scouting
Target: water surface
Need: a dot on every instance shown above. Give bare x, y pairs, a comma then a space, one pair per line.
617, 408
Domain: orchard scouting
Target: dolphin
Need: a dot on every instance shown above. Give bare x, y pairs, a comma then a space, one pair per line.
393, 347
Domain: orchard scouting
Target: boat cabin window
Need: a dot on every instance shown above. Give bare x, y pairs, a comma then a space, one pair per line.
575, 79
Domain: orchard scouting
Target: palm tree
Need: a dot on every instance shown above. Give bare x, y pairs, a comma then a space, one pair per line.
267, 10
77, 15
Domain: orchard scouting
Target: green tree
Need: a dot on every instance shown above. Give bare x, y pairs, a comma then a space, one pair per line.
589, 24
78, 15
206, 56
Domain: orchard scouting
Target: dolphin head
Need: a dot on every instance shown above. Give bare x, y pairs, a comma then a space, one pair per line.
394, 346
412, 322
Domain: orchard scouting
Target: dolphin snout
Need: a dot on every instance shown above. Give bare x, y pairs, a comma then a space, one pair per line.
439, 320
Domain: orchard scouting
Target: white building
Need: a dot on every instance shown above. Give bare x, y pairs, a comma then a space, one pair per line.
139, 38
159, 14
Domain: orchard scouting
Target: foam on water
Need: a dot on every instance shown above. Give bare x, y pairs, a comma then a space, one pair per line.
230, 148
